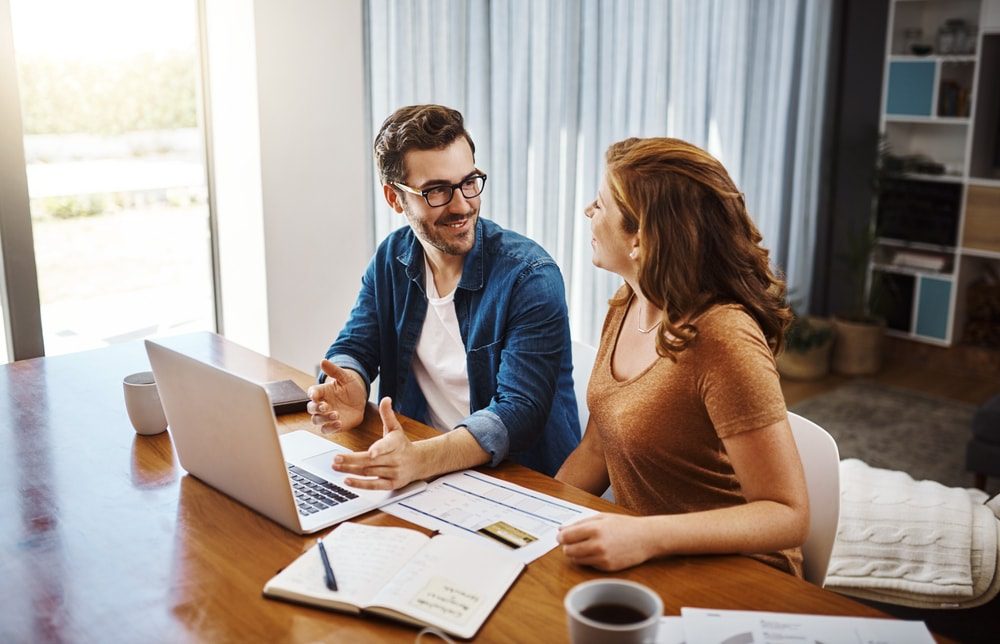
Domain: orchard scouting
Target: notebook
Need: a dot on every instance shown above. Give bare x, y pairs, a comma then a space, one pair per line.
224, 431
286, 397
448, 582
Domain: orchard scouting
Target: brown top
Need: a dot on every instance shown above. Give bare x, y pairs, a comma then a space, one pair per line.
662, 429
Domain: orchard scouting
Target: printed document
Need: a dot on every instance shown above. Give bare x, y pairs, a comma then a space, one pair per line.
511, 518
709, 626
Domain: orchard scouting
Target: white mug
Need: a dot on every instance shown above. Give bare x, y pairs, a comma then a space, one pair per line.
142, 402
612, 610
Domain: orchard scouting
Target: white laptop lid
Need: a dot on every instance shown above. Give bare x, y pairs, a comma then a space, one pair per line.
224, 431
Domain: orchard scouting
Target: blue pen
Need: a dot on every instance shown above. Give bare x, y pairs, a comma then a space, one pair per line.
331, 581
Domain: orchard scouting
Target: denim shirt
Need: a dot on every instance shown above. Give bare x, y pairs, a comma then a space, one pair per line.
511, 309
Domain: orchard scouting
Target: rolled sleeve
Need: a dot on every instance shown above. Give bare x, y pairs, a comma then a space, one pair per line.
489, 431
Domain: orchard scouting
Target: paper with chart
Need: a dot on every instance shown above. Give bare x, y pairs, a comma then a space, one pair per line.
709, 626
514, 519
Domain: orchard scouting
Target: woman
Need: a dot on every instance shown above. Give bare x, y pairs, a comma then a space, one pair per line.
687, 419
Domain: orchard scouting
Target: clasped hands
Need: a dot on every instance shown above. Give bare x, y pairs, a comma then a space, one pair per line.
339, 405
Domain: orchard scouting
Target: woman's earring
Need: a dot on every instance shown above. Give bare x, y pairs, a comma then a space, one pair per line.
634, 254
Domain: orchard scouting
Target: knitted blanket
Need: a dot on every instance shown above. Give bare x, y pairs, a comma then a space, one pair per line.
909, 542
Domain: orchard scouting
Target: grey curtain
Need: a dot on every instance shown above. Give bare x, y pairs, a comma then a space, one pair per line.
546, 86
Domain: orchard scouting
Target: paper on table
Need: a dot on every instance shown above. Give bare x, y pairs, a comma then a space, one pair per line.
708, 626
512, 518
671, 630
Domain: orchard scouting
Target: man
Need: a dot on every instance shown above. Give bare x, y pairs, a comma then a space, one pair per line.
464, 322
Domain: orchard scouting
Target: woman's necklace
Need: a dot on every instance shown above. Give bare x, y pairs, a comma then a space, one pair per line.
641, 316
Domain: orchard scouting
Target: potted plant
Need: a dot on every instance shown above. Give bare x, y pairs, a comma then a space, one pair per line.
859, 331
806, 355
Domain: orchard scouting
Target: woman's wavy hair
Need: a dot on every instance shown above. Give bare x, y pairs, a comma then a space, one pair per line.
698, 245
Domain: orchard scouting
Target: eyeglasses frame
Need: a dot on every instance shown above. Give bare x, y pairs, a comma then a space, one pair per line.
453, 187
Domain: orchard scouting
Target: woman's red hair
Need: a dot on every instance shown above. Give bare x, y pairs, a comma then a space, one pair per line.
698, 245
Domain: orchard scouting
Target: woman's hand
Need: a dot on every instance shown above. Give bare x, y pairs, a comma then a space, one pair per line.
606, 541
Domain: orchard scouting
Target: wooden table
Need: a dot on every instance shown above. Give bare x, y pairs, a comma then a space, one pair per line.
105, 538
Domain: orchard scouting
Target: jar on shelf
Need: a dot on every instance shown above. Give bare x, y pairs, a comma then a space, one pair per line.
971, 36
952, 37
945, 40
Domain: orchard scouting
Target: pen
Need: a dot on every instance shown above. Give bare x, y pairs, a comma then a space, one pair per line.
331, 581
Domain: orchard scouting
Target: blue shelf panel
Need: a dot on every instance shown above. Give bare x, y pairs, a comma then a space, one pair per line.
911, 88
932, 308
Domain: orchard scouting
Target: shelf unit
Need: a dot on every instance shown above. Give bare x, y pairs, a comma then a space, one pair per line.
939, 225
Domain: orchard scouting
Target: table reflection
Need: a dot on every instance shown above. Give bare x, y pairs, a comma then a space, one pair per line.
154, 463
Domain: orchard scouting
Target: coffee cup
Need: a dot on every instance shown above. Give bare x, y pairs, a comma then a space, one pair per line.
142, 402
612, 610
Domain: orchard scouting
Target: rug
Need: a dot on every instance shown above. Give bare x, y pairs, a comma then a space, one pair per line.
896, 429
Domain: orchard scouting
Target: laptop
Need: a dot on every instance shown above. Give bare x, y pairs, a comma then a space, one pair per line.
225, 433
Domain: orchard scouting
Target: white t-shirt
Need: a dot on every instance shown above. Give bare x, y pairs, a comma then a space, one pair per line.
439, 364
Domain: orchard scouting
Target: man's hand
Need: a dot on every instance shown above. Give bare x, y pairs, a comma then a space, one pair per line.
393, 459
605, 541
339, 403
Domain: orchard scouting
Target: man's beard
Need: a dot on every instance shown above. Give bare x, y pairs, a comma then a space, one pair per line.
439, 239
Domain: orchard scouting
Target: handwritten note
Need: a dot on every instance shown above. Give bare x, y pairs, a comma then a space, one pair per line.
447, 600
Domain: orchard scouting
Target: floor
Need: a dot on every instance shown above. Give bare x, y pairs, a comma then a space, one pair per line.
932, 376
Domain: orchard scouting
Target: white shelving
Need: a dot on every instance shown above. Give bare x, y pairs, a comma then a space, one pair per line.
940, 231
943, 120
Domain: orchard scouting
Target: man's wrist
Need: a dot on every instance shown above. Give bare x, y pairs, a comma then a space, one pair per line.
357, 378
423, 462
449, 452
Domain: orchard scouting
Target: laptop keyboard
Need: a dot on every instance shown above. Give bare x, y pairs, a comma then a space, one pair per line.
313, 493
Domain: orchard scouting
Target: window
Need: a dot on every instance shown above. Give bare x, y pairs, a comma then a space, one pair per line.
115, 163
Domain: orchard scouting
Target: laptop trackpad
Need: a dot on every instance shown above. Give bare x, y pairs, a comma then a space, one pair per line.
300, 445
321, 464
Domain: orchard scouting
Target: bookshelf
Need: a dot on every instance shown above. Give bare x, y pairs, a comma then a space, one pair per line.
938, 215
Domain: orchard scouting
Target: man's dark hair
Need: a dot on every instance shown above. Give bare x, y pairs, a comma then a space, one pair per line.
417, 127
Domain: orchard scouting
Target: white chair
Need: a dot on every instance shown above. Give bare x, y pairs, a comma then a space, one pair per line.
821, 463
584, 356
583, 363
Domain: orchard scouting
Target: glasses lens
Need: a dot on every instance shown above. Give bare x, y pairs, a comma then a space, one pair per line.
439, 196
473, 186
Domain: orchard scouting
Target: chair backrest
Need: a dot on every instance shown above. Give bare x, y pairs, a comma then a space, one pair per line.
583, 363
821, 463
584, 356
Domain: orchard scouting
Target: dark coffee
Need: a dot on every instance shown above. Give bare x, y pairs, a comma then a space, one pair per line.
614, 614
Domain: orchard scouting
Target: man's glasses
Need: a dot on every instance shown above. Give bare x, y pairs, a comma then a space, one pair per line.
438, 196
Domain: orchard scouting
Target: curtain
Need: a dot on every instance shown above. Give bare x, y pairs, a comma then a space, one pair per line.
546, 86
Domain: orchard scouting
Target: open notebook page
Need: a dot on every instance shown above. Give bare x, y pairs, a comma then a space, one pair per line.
452, 582
363, 558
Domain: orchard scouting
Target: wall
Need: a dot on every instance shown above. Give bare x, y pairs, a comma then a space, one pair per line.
856, 94
317, 227
304, 202
235, 172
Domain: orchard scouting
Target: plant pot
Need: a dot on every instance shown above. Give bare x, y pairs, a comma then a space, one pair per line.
857, 347
810, 363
